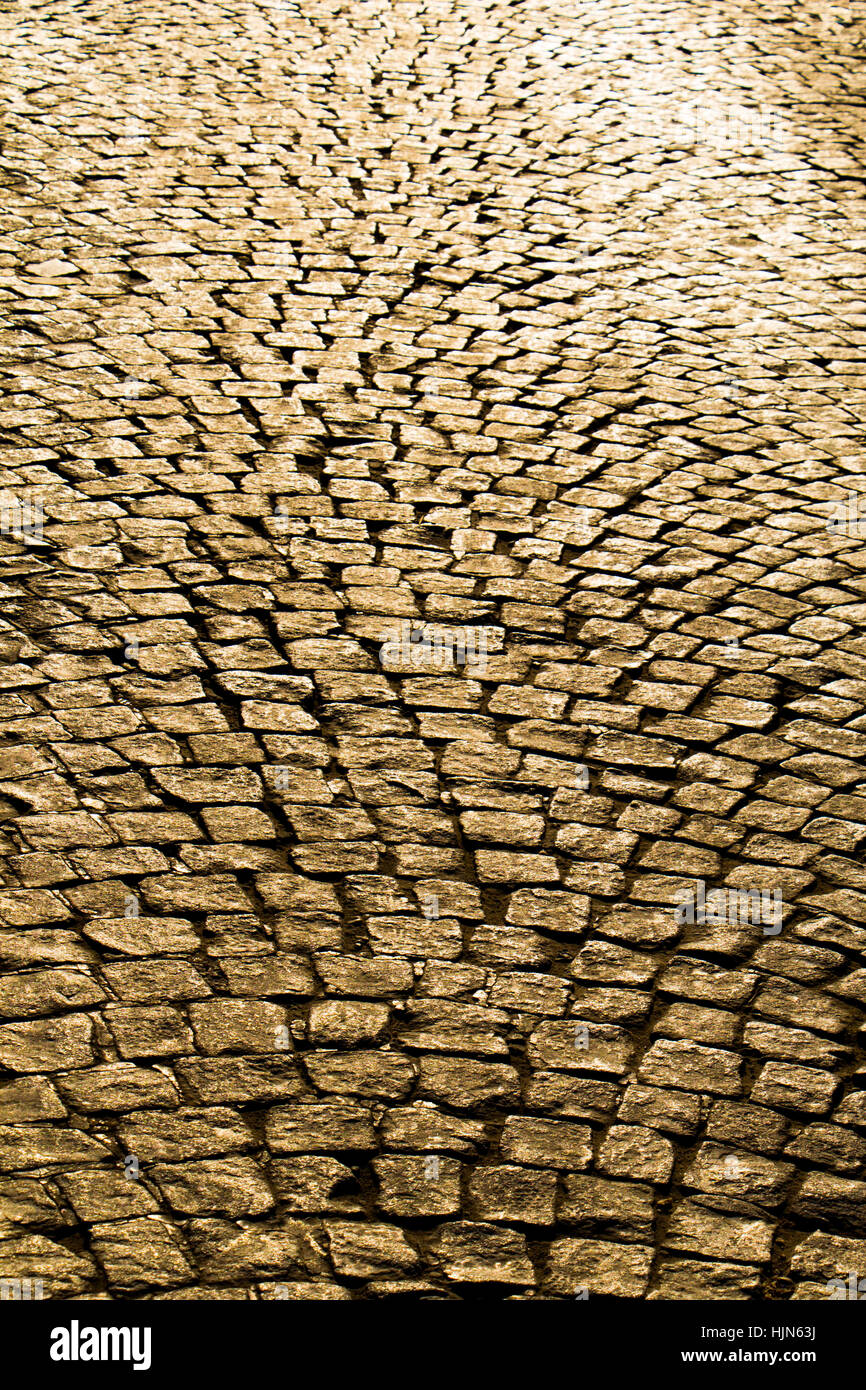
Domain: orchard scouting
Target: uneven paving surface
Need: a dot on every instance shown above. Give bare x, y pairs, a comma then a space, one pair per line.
337, 973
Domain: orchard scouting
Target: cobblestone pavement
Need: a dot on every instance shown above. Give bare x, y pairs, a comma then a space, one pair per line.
432, 550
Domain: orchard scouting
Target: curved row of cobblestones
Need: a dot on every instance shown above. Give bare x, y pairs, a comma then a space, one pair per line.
433, 689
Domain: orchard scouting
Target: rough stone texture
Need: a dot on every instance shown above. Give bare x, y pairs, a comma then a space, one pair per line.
434, 416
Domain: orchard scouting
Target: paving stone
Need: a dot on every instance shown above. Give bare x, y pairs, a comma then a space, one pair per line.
546, 1143
429, 552
227, 1253
418, 1186
718, 1235
234, 1187
608, 1210
473, 1252
314, 1184
677, 1278
598, 1267
822, 1256
64, 1273
632, 1151
834, 1202
365, 1249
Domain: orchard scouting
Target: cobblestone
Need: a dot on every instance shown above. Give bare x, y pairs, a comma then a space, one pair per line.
432, 682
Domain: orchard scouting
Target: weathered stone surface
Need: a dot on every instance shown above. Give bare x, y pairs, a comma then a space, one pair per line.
795, 1088
546, 1143
140, 1254
581, 1045
64, 1273
314, 1183
506, 1192
735, 1173
632, 1151
118, 1086
185, 1134
227, 1253
230, 1185
678, 1278
821, 1256
319, 1128
467, 1084
473, 1252
598, 1267
100, 1194
432, 681
692, 1066
719, 1235
416, 1186
607, 1210
831, 1201
237, 1025
48, 1044
367, 1249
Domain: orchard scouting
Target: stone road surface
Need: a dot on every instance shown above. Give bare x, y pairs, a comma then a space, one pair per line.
534, 329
